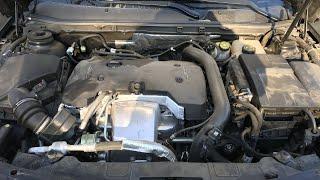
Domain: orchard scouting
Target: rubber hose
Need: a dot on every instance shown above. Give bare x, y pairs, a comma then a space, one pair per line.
254, 110
214, 155
14, 45
32, 115
7, 51
4, 131
313, 53
254, 123
313, 121
221, 113
28, 111
266, 38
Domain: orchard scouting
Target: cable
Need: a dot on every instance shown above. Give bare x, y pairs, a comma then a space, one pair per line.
186, 43
102, 39
71, 59
248, 147
105, 45
136, 55
188, 129
105, 132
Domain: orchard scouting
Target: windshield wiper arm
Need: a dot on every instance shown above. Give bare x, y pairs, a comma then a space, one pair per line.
164, 4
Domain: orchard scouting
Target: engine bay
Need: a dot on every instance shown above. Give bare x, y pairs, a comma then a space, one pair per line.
107, 96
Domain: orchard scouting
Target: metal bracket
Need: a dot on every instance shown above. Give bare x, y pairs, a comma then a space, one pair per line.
177, 110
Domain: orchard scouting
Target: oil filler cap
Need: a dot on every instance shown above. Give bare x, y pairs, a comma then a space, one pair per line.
136, 87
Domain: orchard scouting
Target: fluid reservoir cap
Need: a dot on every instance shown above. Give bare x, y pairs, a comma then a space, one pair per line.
224, 46
40, 37
247, 49
289, 45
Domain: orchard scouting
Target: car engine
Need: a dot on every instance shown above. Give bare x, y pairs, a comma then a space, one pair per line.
150, 97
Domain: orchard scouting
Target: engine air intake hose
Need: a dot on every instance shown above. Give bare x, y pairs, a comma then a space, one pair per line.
211, 131
30, 114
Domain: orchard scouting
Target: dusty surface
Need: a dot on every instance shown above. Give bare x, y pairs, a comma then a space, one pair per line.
2, 19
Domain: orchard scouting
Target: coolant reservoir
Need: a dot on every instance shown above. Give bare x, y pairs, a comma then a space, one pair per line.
221, 51
242, 46
42, 42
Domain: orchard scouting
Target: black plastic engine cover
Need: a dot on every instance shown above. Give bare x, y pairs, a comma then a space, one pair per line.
274, 84
27, 71
184, 82
309, 75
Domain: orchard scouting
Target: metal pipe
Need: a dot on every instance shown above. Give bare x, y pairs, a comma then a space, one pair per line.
305, 6
181, 140
149, 147
16, 18
129, 145
91, 109
305, 28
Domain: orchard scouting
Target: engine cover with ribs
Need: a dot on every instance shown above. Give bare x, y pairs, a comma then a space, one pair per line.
184, 82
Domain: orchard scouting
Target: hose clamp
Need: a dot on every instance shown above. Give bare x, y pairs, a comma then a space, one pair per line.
22, 101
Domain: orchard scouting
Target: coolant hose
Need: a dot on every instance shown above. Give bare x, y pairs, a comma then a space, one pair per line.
255, 124
7, 51
312, 52
313, 120
254, 110
14, 44
266, 38
220, 117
